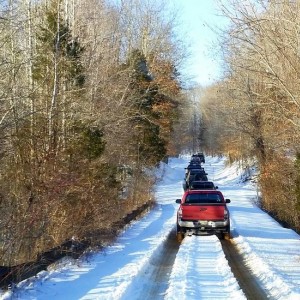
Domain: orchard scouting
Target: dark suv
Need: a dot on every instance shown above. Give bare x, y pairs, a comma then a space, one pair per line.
194, 175
201, 156
202, 185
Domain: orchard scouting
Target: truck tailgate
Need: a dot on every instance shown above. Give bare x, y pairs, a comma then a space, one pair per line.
203, 212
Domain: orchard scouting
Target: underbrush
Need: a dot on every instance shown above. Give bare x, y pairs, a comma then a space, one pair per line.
277, 185
63, 212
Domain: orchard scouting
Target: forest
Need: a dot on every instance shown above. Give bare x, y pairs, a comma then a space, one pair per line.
253, 112
92, 98
90, 94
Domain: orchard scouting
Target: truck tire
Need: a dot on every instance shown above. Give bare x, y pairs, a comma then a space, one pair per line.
179, 234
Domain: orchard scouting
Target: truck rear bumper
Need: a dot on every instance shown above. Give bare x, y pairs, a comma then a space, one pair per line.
204, 226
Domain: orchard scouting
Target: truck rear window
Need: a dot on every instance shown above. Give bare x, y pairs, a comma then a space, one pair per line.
203, 198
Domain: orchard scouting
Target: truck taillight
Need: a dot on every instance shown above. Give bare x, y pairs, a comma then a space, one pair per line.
225, 214
179, 213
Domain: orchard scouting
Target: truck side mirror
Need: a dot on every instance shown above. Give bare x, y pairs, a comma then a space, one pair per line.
227, 200
178, 201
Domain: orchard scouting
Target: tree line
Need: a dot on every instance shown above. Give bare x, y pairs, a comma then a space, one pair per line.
90, 97
254, 111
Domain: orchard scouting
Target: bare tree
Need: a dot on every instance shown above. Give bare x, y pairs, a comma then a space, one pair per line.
260, 95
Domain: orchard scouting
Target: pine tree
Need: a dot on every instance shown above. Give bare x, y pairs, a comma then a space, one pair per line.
58, 71
145, 94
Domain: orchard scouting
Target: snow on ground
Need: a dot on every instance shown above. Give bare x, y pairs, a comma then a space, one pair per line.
271, 251
200, 270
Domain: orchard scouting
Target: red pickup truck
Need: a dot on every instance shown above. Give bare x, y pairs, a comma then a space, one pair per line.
203, 212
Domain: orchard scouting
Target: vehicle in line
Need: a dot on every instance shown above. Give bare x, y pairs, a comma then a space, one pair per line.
202, 185
203, 212
193, 167
199, 155
195, 160
194, 175
195, 171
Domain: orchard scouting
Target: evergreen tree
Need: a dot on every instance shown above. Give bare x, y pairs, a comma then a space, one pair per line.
55, 39
58, 71
145, 94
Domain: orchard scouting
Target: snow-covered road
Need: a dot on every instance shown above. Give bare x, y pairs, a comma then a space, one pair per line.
200, 269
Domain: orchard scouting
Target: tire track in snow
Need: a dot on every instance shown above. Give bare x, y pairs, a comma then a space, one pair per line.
242, 273
153, 280
201, 271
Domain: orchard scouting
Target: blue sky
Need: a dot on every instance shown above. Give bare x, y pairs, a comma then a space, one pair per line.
197, 18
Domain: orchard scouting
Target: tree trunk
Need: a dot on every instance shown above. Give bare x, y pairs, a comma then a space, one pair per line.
52, 132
